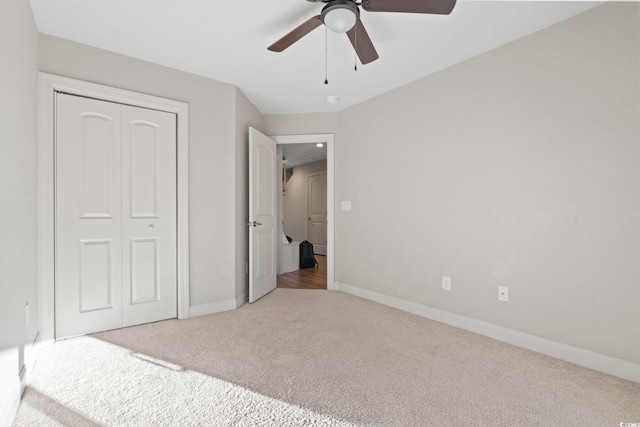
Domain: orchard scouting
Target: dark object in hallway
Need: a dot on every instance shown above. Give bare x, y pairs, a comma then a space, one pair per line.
307, 258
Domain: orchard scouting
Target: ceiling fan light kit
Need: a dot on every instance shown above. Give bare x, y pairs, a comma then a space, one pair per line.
340, 15
343, 16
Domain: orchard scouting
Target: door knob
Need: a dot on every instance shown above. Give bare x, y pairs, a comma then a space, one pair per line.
254, 224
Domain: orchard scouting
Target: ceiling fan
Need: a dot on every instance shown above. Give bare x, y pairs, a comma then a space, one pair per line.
343, 16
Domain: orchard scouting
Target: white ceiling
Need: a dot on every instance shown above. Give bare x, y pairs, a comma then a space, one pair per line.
301, 154
227, 40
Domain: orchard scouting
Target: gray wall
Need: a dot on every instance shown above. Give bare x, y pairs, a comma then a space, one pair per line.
18, 183
294, 203
212, 148
300, 124
520, 167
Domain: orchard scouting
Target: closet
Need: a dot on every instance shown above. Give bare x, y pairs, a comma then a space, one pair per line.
115, 215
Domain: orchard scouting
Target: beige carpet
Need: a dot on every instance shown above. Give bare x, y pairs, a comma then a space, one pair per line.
309, 357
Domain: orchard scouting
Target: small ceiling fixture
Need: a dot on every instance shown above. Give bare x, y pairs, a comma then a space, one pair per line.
319, 145
340, 15
332, 99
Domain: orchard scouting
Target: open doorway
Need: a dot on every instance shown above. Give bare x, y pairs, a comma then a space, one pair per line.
305, 209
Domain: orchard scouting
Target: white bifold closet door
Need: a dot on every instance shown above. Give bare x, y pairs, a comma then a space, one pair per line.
115, 237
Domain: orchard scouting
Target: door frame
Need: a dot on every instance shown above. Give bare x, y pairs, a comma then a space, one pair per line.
329, 139
48, 84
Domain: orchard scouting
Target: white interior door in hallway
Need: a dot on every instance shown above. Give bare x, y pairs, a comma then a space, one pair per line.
262, 215
317, 212
115, 215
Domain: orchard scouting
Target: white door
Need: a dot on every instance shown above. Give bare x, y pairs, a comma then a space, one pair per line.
115, 241
262, 215
88, 238
317, 212
149, 251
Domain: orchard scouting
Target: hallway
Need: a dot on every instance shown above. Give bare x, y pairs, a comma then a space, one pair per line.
306, 278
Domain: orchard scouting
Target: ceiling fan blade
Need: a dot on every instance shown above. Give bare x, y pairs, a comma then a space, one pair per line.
440, 7
364, 48
296, 34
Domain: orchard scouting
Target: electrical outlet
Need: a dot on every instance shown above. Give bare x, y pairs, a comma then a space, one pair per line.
27, 312
503, 293
446, 283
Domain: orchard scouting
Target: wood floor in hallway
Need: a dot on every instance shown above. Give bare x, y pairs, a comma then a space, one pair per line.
306, 278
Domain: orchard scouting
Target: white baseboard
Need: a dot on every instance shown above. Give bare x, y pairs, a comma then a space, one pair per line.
241, 299
580, 356
31, 353
13, 389
9, 407
10, 385
212, 307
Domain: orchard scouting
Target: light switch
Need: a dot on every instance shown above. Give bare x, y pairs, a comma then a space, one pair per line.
346, 205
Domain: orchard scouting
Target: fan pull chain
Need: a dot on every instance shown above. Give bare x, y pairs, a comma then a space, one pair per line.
326, 78
355, 50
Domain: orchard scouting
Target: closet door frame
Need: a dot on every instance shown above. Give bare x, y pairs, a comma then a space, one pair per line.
48, 85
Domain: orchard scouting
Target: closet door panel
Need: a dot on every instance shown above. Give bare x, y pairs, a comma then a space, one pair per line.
149, 215
88, 286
